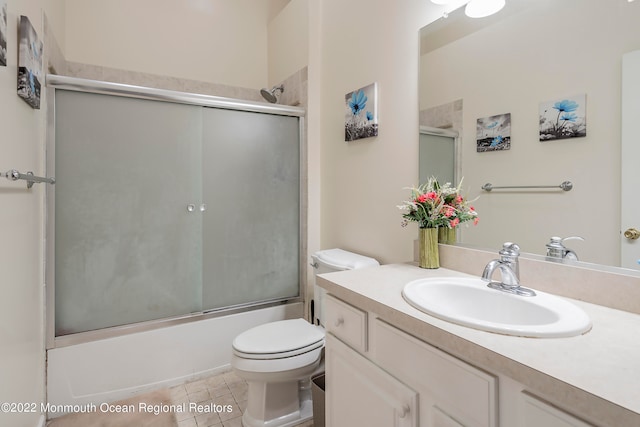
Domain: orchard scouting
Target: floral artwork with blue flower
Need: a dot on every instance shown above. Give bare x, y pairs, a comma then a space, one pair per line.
563, 119
493, 133
361, 113
30, 51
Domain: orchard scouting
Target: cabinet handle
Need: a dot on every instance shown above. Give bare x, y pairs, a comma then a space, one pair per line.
339, 322
404, 411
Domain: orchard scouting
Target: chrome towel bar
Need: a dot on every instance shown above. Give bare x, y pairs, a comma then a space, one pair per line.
565, 186
14, 175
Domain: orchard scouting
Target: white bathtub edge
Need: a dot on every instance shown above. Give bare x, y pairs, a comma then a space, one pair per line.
117, 368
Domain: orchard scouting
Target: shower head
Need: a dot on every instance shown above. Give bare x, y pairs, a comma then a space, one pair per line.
270, 95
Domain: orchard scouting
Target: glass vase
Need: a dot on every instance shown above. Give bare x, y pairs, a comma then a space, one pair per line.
447, 235
429, 256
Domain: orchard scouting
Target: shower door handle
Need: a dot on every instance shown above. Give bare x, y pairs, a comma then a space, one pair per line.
192, 208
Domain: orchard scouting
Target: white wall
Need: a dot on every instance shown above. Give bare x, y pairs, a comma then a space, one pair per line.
217, 41
536, 56
288, 41
21, 231
355, 43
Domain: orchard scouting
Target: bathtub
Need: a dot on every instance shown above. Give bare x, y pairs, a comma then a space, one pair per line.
115, 368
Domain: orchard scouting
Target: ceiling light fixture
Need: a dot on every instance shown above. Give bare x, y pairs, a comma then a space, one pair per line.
482, 8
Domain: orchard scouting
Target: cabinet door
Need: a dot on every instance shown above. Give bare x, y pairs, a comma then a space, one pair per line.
452, 392
358, 393
536, 413
442, 419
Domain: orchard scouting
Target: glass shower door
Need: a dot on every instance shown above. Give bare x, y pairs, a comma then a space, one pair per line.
251, 230
128, 229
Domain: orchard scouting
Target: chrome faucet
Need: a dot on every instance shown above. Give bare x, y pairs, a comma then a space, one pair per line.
556, 250
509, 269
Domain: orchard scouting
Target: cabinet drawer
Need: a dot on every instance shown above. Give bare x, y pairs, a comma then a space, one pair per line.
457, 389
346, 322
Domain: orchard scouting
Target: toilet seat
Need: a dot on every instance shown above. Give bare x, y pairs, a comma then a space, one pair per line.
282, 355
278, 340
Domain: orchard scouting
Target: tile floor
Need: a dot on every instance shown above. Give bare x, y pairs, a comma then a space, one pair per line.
222, 389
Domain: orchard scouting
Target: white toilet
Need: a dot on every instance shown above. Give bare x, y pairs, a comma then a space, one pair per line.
277, 359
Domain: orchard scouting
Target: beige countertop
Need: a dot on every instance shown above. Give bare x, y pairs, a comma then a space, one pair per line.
595, 375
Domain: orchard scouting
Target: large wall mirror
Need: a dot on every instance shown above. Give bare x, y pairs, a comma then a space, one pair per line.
515, 66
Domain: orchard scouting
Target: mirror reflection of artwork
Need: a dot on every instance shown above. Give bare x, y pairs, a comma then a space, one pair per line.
563, 118
493, 133
29, 63
3, 33
361, 115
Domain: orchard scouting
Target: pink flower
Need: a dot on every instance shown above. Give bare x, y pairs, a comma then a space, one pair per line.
454, 222
459, 199
422, 198
448, 211
432, 195
476, 220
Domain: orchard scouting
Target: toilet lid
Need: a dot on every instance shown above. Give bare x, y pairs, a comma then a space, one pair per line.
340, 259
279, 337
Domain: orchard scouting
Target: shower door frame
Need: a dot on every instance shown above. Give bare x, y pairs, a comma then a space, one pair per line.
55, 82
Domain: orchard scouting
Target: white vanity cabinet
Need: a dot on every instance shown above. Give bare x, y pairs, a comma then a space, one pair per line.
378, 377
466, 377
359, 393
535, 413
452, 392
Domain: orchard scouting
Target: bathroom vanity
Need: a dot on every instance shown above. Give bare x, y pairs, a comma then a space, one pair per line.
389, 364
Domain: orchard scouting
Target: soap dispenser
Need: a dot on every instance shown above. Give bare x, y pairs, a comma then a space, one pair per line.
557, 249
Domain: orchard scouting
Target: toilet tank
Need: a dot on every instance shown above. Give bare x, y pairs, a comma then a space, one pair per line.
330, 260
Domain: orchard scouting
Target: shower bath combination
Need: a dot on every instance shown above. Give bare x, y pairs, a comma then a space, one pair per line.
185, 297
272, 95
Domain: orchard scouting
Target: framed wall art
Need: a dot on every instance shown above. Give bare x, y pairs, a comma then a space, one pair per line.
361, 113
493, 133
3, 32
29, 63
563, 118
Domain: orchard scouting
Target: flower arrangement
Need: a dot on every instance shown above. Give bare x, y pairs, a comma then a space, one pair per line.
437, 205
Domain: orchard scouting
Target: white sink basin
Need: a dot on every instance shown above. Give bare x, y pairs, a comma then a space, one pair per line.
469, 302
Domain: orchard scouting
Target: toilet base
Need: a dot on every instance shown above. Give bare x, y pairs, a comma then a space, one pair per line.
305, 413
278, 404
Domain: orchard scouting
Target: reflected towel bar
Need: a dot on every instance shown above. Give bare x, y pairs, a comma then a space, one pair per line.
14, 175
565, 186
